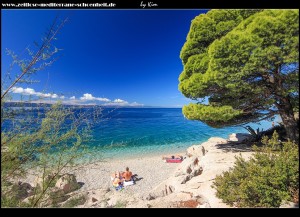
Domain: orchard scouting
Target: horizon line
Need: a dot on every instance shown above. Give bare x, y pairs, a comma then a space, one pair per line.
106, 106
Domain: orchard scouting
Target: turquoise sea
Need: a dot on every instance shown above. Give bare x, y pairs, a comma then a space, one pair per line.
135, 132
145, 131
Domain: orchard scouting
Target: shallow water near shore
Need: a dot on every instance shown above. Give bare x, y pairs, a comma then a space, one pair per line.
138, 132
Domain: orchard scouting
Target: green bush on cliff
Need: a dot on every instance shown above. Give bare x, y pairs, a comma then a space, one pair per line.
268, 178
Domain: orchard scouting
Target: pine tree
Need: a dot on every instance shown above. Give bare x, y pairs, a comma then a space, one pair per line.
246, 63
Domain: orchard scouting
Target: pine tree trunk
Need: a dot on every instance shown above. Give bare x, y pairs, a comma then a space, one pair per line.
289, 121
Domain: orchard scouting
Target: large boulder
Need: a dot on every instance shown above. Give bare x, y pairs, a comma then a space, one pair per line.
201, 150
47, 180
188, 169
21, 190
27, 187
196, 150
67, 183
163, 189
239, 137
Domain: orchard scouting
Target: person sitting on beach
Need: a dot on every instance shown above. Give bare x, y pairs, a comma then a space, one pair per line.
127, 175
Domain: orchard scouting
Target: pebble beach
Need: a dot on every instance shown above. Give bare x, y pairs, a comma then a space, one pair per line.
149, 171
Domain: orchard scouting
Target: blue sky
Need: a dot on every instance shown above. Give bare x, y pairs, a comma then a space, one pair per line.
122, 57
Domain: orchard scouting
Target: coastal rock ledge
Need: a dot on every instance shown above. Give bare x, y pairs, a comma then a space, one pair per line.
187, 184
190, 184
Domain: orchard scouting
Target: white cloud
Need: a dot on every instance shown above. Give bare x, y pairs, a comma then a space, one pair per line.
103, 99
88, 96
27, 91
42, 94
120, 101
108, 102
72, 99
17, 90
30, 91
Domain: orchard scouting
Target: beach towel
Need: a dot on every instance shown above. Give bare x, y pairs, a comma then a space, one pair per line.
173, 160
127, 183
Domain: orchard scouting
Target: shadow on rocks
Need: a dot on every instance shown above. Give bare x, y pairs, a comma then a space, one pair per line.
80, 184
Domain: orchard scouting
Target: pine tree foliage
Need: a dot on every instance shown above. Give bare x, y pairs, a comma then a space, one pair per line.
246, 62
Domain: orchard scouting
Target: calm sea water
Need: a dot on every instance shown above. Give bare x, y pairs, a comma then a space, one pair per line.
144, 131
128, 132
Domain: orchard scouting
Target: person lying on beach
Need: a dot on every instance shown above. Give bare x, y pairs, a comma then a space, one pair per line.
177, 156
127, 175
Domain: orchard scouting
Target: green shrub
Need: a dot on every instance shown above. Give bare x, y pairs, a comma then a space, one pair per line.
12, 202
120, 204
76, 201
9, 201
268, 178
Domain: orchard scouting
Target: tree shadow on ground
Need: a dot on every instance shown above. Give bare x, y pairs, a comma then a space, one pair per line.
245, 142
235, 146
242, 144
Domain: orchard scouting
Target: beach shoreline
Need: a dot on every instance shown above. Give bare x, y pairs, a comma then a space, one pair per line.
150, 171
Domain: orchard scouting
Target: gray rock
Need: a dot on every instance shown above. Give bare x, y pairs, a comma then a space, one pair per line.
67, 183
196, 151
190, 168
161, 190
21, 190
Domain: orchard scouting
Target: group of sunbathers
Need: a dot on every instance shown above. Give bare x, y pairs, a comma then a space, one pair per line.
119, 178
